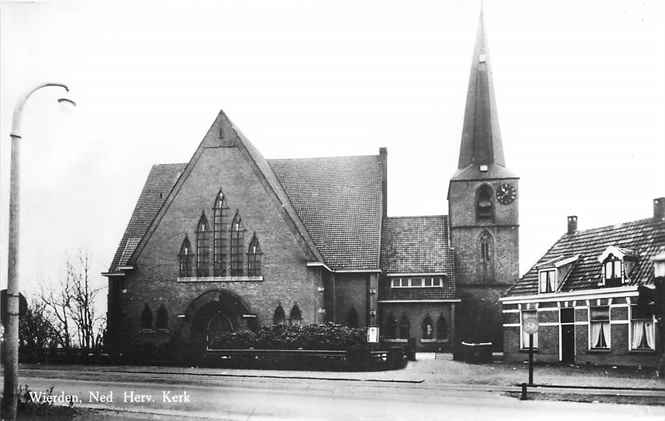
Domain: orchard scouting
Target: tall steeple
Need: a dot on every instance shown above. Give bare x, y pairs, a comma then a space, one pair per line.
481, 149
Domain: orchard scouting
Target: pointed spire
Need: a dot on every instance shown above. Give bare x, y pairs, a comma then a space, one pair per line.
481, 137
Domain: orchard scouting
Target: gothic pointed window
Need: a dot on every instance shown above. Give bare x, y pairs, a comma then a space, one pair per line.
486, 250
428, 328
441, 328
484, 203
278, 317
146, 317
404, 327
237, 245
254, 257
219, 228
295, 317
162, 318
352, 318
185, 259
203, 247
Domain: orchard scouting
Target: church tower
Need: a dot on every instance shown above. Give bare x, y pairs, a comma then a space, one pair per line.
483, 209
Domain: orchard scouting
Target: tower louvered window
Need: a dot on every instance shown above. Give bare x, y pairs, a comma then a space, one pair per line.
237, 242
203, 247
484, 204
185, 259
254, 257
220, 228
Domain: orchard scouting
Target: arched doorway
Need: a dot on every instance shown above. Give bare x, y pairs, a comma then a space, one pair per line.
214, 314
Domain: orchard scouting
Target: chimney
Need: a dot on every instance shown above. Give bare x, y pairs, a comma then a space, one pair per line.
659, 209
383, 158
572, 224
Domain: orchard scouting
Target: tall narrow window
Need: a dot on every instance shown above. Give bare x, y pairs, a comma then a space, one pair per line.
185, 259
486, 243
254, 257
146, 317
613, 271
484, 203
404, 327
600, 328
202, 247
237, 241
295, 317
547, 281
428, 328
352, 318
162, 318
278, 317
441, 328
390, 326
219, 228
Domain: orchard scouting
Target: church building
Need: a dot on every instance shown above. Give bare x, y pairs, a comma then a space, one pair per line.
231, 240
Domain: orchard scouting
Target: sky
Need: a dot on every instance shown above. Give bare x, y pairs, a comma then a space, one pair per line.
580, 90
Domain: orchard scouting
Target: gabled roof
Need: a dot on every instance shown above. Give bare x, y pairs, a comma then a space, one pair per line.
481, 136
645, 238
416, 244
339, 200
161, 180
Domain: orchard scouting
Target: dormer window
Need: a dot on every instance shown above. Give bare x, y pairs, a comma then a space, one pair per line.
616, 264
612, 271
547, 282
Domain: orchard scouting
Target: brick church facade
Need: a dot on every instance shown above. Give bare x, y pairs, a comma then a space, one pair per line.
231, 240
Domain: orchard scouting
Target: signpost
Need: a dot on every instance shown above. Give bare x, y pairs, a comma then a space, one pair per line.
372, 335
530, 326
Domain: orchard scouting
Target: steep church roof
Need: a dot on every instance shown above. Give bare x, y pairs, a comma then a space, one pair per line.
481, 136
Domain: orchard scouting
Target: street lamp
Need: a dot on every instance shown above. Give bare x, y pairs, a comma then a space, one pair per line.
10, 360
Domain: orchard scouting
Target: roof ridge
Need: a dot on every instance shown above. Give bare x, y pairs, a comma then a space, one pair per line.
322, 157
417, 216
614, 226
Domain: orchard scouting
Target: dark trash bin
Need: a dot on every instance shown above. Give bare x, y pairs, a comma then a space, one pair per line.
477, 352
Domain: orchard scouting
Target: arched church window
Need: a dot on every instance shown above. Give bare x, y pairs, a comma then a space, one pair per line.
254, 257
146, 317
428, 328
486, 250
441, 328
295, 317
219, 228
278, 317
162, 318
352, 318
404, 327
202, 247
391, 326
185, 259
237, 242
484, 203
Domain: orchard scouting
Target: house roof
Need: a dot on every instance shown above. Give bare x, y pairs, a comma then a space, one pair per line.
645, 238
339, 200
416, 244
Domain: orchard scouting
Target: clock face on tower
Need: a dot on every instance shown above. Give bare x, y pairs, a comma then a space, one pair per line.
506, 193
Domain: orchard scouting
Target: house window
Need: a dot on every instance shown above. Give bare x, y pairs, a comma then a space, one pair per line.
484, 203
237, 240
428, 328
436, 282
185, 259
642, 331
254, 257
352, 318
146, 317
547, 281
404, 327
162, 318
279, 317
599, 328
612, 271
295, 317
219, 228
524, 336
391, 326
441, 328
415, 282
202, 247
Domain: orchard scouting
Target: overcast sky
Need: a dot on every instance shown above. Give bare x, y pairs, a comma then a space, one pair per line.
580, 89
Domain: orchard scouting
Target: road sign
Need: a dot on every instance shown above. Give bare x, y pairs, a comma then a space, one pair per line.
530, 322
372, 334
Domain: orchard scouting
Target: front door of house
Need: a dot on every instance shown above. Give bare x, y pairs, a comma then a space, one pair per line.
567, 335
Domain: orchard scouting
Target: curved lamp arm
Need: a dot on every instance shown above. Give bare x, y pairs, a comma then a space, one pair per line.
18, 110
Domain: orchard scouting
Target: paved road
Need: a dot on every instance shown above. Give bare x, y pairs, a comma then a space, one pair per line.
240, 398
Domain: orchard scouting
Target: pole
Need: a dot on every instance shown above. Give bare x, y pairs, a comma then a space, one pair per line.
9, 400
530, 359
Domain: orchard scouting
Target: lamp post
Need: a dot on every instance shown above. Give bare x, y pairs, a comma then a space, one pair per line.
10, 360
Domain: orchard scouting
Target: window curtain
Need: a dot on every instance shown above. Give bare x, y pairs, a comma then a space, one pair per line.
599, 334
525, 340
643, 334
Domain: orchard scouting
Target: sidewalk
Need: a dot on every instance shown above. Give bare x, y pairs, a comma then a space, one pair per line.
430, 369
